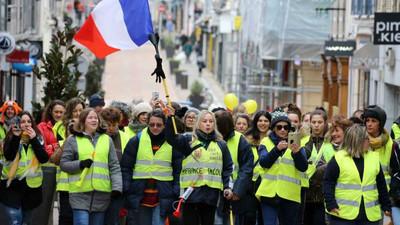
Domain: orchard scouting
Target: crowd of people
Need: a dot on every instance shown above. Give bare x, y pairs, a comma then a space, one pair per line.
154, 164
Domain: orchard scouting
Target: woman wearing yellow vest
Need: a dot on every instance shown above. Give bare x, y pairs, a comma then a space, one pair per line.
207, 167
93, 154
111, 119
279, 191
395, 133
150, 171
354, 186
395, 184
21, 178
374, 118
61, 129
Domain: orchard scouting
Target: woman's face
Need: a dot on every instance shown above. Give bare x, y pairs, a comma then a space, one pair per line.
337, 135
372, 126
91, 122
306, 119
190, 120
241, 125
77, 111
207, 124
156, 125
25, 123
111, 128
57, 112
263, 124
142, 118
10, 112
317, 125
294, 119
281, 129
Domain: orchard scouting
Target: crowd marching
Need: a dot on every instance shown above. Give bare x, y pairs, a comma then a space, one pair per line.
152, 164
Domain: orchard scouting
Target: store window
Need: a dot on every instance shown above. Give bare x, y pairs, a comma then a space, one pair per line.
363, 7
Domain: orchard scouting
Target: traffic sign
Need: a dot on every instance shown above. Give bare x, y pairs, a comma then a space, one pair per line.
7, 43
161, 8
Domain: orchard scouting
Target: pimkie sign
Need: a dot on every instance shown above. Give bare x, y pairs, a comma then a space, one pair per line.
387, 29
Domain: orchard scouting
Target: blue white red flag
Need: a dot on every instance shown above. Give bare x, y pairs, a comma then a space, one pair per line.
116, 25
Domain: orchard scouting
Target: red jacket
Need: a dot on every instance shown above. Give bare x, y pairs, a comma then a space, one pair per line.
49, 139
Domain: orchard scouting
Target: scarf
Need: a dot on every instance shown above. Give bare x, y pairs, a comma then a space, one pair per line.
379, 141
203, 137
137, 127
8, 122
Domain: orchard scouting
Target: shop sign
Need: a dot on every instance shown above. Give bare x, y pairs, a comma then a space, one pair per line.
366, 58
7, 43
387, 29
18, 57
339, 48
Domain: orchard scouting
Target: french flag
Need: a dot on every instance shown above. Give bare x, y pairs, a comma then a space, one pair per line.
116, 25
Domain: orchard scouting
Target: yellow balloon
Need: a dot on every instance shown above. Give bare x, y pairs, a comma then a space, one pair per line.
251, 106
231, 101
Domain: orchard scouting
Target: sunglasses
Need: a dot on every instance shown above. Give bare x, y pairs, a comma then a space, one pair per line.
279, 127
156, 125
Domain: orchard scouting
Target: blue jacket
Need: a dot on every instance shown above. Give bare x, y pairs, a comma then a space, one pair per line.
267, 159
203, 194
168, 191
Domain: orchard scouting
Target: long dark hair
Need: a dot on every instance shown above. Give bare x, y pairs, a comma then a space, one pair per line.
253, 131
34, 126
224, 123
69, 109
47, 113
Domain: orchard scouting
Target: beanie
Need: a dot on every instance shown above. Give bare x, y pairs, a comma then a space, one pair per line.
278, 115
96, 100
193, 110
125, 108
141, 108
376, 112
6, 105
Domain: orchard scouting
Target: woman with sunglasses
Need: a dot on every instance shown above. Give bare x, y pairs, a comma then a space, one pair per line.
354, 186
150, 172
206, 169
21, 180
280, 187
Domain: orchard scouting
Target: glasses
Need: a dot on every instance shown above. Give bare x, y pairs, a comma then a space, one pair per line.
279, 127
156, 125
191, 117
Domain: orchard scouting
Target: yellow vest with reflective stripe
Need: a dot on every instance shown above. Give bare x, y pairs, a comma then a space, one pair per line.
203, 167
59, 129
349, 188
129, 132
156, 166
305, 181
124, 140
304, 140
258, 170
2, 132
328, 151
25, 160
98, 176
384, 153
61, 177
233, 146
396, 131
282, 179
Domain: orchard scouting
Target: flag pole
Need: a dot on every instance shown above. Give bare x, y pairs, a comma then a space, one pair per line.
154, 38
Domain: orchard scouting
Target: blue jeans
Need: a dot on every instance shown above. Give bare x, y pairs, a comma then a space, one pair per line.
83, 217
111, 216
17, 216
287, 209
146, 216
396, 215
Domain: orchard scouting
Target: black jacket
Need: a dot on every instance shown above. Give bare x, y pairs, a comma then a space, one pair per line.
395, 171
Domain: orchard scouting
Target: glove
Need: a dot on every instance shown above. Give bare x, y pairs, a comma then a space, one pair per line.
85, 163
159, 72
115, 194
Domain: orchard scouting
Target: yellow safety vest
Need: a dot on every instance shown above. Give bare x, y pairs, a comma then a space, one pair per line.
98, 176
203, 167
25, 160
282, 179
305, 181
233, 146
156, 166
258, 170
350, 189
59, 129
2, 132
129, 132
396, 131
124, 140
61, 177
384, 153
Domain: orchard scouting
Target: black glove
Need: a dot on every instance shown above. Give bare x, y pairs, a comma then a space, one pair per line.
159, 70
85, 163
115, 194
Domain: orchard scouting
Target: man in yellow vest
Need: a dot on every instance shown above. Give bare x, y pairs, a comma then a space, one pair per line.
395, 134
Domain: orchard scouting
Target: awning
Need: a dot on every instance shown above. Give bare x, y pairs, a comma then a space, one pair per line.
366, 58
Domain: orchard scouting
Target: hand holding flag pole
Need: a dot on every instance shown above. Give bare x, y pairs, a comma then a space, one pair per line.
159, 72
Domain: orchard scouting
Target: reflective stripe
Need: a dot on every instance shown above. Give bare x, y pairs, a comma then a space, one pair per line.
385, 168
287, 161
270, 177
89, 177
9, 163
143, 162
348, 186
37, 174
207, 165
63, 180
303, 175
347, 202
140, 174
387, 181
289, 179
100, 164
159, 174
235, 168
255, 175
204, 177
371, 204
161, 163
313, 159
369, 187
276, 161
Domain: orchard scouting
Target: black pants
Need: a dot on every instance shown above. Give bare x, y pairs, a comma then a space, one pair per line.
300, 214
198, 213
314, 214
65, 215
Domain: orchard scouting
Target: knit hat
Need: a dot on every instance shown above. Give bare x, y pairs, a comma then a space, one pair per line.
141, 108
96, 100
279, 115
190, 110
125, 108
6, 105
376, 112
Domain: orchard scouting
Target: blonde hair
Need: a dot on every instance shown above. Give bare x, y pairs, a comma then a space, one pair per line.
353, 141
79, 126
200, 117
